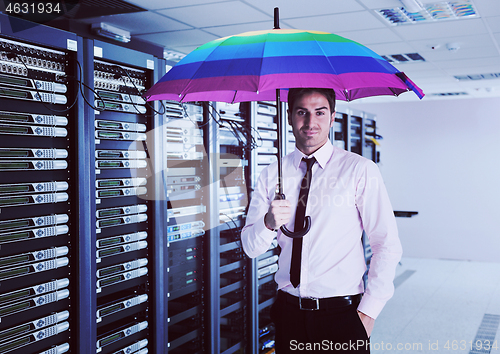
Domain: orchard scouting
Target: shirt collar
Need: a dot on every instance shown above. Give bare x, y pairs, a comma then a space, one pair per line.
322, 155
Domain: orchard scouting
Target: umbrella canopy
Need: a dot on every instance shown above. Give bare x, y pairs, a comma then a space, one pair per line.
252, 65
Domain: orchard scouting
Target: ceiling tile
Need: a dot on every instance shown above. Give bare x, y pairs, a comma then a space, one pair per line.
162, 4
437, 83
336, 23
422, 75
141, 22
442, 29
391, 48
476, 41
298, 8
224, 31
381, 4
493, 23
462, 53
414, 67
184, 49
487, 8
373, 36
473, 71
168, 39
218, 14
474, 65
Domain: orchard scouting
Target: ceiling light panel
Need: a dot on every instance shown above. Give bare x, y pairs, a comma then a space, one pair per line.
475, 77
403, 58
448, 94
431, 12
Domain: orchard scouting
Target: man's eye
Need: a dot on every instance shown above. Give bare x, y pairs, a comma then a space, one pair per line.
301, 113
320, 113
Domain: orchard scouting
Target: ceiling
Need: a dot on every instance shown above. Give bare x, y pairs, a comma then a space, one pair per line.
183, 25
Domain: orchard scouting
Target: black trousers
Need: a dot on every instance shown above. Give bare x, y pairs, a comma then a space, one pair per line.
334, 330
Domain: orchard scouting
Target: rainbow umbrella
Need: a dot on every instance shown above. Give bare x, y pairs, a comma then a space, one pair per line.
262, 65
252, 65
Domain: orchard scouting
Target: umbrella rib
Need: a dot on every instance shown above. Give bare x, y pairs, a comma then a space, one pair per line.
261, 62
201, 65
329, 62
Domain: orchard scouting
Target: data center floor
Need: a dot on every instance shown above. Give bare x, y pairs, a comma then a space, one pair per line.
441, 306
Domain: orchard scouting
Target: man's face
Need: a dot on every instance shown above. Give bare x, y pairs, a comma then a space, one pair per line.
311, 120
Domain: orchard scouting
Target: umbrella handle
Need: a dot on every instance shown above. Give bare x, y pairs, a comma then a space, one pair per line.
298, 233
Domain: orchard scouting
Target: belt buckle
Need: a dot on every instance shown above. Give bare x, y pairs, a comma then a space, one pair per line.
316, 300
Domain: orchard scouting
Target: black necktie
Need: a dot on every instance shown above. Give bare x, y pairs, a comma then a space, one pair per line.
300, 215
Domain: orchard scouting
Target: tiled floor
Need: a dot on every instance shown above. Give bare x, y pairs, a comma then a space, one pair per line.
438, 307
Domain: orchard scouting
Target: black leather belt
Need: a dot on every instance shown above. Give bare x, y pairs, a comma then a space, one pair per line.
308, 303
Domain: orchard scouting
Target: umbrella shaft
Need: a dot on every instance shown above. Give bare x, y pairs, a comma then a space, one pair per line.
280, 145
276, 18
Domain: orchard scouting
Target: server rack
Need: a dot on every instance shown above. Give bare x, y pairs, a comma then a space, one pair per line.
265, 120
356, 131
231, 286
38, 196
187, 191
126, 198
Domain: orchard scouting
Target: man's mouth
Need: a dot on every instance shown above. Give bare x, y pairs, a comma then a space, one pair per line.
309, 132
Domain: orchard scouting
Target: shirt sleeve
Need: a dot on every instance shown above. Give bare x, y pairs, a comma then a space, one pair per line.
256, 238
379, 223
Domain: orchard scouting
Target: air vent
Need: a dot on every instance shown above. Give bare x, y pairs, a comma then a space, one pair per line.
476, 77
403, 58
173, 55
436, 11
448, 94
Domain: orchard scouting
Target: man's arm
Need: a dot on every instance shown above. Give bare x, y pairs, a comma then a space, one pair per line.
380, 226
264, 216
368, 322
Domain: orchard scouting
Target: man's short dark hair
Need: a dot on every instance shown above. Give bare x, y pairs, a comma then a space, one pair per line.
296, 93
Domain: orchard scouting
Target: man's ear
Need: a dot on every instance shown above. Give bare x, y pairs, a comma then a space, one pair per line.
289, 117
332, 119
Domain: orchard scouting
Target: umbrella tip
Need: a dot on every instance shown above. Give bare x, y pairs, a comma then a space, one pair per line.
276, 18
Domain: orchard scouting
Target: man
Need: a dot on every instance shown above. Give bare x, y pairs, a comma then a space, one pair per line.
322, 305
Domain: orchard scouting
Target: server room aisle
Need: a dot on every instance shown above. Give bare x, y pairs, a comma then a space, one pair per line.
441, 306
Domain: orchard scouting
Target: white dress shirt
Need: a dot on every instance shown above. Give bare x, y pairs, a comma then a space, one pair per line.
347, 195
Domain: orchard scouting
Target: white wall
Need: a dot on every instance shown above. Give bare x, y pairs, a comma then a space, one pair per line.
442, 159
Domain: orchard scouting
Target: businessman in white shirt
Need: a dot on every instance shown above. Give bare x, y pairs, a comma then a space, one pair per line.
322, 303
